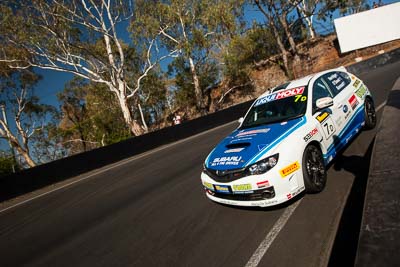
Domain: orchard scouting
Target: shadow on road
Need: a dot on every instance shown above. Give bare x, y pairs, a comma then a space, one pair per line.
344, 250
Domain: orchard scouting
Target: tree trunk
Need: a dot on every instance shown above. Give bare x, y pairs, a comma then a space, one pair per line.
282, 48
24, 152
135, 128
27, 158
311, 30
269, 16
289, 35
133, 125
197, 88
303, 10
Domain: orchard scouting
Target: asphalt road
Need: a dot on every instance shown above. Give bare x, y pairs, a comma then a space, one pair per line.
150, 210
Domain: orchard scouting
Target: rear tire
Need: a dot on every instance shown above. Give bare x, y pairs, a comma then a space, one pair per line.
369, 114
314, 172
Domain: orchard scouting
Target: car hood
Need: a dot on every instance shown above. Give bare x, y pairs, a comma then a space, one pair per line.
246, 146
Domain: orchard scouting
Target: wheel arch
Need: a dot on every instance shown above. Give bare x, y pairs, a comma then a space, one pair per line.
370, 98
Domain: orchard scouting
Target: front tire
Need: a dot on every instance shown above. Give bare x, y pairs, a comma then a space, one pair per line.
369, 114
314, 172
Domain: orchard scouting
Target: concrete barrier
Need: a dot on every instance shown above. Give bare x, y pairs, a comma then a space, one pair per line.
375, 62
379, 243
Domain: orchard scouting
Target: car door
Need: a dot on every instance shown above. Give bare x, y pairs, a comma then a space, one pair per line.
344, 99
326, 119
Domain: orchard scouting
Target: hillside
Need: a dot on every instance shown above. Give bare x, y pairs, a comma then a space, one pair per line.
317, 55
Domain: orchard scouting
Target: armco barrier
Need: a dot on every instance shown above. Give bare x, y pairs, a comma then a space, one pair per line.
379, 243
375, 62
46, 174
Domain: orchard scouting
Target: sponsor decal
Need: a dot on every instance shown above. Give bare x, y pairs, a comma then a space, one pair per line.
321, 117
345, 108
234, 150
241, 139
284, 123
241, 187
337, 81
290, 169
263, 184
298, 191
222, 188
289, 196
302, 98
234, 160
356, 83
361, 92
208, 186
253, 132
328, 128
279, 95
346, 111
261, 147
353, 102
263, 203
310, 134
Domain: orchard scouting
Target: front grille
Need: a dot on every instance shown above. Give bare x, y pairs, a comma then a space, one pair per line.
261, 194
226, 176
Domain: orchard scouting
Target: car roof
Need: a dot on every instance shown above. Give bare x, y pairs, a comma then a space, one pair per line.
298, 82
292, 84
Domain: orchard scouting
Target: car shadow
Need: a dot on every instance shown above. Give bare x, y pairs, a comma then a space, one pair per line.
344, 249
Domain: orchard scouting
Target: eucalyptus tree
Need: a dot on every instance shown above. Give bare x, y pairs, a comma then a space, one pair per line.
23, 117
82, 37
192, 27
308, 10
90, 117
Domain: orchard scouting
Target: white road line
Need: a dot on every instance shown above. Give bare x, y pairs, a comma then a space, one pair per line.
270, 237
120, 163
381, 106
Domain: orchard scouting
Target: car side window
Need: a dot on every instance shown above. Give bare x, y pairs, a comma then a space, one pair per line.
337, 81
320, 90
346, 77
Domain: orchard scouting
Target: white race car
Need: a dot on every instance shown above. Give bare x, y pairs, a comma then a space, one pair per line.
287, 138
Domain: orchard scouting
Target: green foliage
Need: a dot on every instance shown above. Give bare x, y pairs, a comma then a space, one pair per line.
25, 116
198, 30
153, 98
7, 163
179, 69
90, 117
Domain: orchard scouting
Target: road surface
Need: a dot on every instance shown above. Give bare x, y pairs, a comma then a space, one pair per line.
150, 210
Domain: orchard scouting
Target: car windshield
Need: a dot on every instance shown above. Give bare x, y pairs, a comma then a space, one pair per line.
277, 107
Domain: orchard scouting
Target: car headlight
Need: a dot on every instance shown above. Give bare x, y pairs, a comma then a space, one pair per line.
264, 165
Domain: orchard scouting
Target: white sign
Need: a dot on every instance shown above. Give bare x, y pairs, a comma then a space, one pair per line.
372, 27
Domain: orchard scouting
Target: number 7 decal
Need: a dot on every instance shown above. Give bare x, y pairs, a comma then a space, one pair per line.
328, 127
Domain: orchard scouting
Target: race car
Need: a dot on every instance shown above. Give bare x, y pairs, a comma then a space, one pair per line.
287, 138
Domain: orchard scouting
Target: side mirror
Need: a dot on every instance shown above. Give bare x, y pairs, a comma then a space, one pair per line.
240, 120
324, 102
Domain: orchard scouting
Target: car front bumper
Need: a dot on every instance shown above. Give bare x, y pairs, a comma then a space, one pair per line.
253, 191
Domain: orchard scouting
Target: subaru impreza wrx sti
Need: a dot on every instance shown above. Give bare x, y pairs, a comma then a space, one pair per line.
287, 138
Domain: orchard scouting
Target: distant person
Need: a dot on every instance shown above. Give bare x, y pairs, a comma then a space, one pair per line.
375, 5
177, 119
